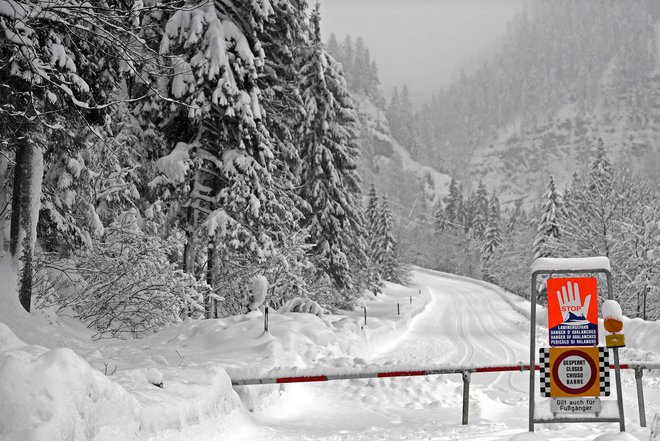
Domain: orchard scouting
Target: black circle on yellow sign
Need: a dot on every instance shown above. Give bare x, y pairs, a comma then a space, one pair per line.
574, 353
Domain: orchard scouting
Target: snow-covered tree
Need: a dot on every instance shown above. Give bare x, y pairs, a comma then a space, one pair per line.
548, 228
439, 219
374, 244
54, 69
330, 154
480, 211
233, 180
390, 268
492, 238
452, 203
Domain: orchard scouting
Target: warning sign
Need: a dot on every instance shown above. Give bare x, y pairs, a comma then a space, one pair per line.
574, 372
573, 311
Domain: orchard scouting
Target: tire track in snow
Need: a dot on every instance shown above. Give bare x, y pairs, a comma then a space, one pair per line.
479, 327
459, 326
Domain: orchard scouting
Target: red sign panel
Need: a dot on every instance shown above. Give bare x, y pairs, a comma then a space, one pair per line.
573, 311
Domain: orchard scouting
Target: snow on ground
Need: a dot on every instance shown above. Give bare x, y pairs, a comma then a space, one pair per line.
57, 384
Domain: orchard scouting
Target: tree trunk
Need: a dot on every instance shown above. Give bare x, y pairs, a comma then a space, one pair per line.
4, 201
209, 303
26, 199
644, 302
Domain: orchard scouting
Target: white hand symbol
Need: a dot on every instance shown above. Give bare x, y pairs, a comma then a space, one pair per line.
570, 302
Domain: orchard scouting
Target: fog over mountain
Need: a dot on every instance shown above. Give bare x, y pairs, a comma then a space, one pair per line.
422, 43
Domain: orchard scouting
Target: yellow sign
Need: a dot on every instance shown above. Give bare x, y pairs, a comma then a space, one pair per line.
574, 372
615, 340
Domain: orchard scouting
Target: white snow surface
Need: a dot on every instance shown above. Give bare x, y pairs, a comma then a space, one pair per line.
571, 264
57, 384
616, 436
612, 310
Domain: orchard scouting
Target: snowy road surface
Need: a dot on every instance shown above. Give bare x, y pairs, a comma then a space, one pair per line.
464, 324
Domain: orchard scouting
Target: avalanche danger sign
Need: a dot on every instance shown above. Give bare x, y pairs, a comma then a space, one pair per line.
573, 311
574, 372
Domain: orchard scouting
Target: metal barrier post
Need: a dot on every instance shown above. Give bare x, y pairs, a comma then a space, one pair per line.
266, 319
639, 373
532, 351
466, 396
619, 392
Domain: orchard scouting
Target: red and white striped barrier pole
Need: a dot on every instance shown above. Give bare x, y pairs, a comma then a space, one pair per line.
383, 374
465, 371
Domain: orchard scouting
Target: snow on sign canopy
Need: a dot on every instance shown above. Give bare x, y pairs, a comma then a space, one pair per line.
571, 264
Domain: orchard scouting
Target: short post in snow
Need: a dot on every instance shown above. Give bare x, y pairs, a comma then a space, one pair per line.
266, 319
398, 309
639, 373
466, 396
411, 300
365, 316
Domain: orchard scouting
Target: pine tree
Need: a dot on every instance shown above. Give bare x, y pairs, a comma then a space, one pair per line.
463, 215
439, 219
333, 47
348, 64
480, 211
494, 210
374, 244
452, 202
329, 154
55, 70
549, 225
601, 167
390, 264
231, 179
492, 237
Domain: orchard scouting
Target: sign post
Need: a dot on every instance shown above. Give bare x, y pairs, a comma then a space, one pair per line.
574, 369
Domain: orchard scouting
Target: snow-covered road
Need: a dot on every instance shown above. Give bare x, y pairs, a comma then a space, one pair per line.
464, 324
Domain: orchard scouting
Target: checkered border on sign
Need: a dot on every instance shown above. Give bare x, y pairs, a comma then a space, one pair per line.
544, 363
604, 368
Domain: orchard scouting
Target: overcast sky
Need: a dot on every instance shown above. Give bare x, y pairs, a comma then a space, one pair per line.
422, 43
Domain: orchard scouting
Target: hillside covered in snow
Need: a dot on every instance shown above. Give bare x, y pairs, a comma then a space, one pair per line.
565, 74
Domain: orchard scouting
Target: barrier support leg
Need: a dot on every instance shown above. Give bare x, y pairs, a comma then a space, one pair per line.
619, 394
639, 373
466, 396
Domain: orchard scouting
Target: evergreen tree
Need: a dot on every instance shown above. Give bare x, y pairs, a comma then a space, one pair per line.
56, 71
549, 225
329, 155
375, 244
463, 216
348, 64
480, 210
373, 219
439, 219
390, 264
492, 237
231, 179
452, 203
494, 210
333, 47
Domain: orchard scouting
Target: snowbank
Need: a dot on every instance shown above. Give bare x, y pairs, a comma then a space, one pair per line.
54, 394
621, 436
528, 436
571, 264
58, 384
